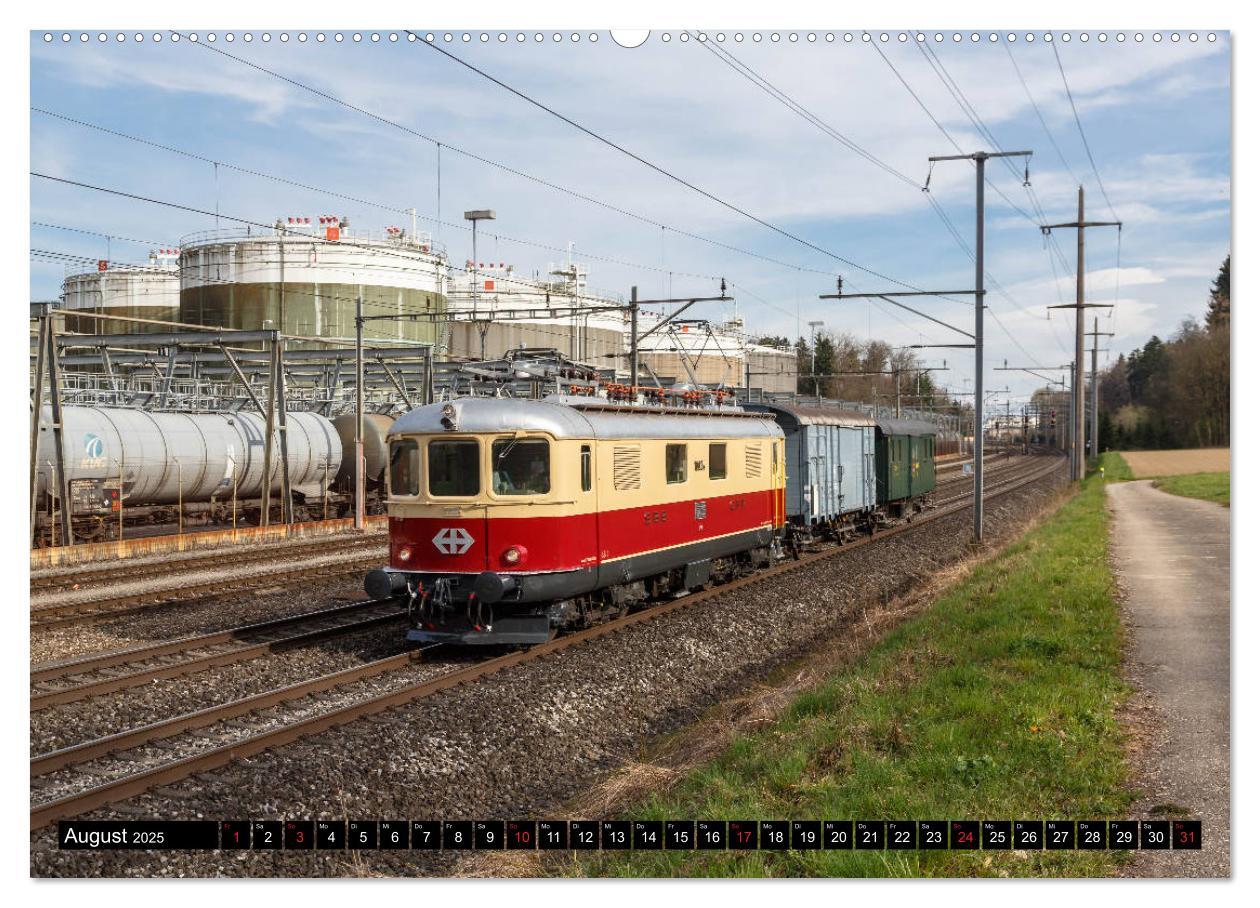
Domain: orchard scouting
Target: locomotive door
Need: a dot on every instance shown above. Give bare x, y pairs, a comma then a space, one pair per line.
868, 467
778, 473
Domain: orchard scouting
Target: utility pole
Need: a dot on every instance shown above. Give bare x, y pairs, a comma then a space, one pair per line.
979, 158
813, 352
1078, 375
635, 337
360, 480
1093, 389
481, 214
977, 524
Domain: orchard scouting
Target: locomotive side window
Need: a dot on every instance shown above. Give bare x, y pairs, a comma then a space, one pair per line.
521, 467
586, 468
675, 463
404, 467
717, 461
454, 468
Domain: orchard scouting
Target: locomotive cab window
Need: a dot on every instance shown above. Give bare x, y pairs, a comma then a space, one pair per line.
404, 467
586, 468
454, 468
675, 463
521, 466
717, 461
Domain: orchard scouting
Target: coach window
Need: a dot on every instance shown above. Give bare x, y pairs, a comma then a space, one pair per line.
586, 468
454, 468
717, 461
404, 467
521, 466
675, 463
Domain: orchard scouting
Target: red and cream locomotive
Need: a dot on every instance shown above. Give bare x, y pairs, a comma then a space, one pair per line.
512, 519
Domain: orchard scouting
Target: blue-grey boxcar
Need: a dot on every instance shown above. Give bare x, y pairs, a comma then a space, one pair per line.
830, 459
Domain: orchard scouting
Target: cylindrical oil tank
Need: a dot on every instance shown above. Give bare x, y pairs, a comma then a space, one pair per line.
205, 453
306, 284
534, 312
714, 354
771, 368
375, 449
144, 293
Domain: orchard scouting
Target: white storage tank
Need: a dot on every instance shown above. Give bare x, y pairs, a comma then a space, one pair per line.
303, 278
150, 293
517, 311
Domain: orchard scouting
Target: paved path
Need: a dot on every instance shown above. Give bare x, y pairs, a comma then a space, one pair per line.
1171, 558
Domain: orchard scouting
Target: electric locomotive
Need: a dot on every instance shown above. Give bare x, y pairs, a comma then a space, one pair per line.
512, 519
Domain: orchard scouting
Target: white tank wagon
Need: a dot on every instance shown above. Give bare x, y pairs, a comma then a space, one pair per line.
199, 459
375, 451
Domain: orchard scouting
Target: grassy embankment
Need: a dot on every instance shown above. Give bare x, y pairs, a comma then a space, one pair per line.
1208, 486
998, 702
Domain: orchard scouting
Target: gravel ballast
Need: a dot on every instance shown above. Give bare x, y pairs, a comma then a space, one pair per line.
529, 738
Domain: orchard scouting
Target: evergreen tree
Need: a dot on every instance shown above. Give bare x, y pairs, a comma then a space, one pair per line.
1218, 299
824, 364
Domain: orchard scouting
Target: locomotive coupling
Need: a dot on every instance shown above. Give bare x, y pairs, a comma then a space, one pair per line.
492, 587
383, 584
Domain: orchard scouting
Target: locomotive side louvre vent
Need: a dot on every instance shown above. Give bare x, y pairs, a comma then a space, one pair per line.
626, 471
752, 461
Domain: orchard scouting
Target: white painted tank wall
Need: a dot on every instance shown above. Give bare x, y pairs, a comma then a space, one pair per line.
122, 287
152, 449
309, 260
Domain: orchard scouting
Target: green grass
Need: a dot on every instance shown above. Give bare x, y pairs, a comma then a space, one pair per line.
1115, 467
998, 702
1208, 486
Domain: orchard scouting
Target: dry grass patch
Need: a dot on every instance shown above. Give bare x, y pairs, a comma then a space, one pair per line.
1146, 464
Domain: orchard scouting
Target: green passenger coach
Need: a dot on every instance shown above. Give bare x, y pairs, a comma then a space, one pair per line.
905, 466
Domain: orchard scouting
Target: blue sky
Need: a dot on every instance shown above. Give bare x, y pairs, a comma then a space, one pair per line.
1157, 118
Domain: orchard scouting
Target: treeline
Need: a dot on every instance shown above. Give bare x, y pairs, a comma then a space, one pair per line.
840, 366
1172, 393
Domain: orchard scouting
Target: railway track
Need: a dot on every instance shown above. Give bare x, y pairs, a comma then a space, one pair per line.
77, 679
60, 614
991, 472
145, 778
87, 575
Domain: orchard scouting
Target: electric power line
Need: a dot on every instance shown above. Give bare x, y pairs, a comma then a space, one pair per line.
1081, 129
664, 172
1037, 110
504, 167
350, 198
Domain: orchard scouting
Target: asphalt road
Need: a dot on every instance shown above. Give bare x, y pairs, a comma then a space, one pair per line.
1171, 558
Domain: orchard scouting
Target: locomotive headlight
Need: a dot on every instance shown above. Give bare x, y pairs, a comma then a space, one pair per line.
514, 555
404, 553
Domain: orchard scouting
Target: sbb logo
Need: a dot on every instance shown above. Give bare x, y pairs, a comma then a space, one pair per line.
453, 541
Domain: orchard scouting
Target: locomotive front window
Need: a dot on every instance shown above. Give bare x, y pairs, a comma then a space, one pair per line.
521, 467
675, 463
404, 467
454, 468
